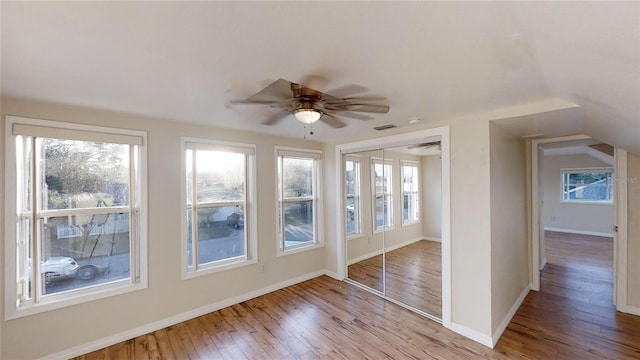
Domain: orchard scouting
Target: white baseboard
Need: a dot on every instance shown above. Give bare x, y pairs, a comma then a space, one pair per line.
507, 319
633, 310
404, 243
364, 257
333, 274
543, 263
379, 252
579, 232
161, 324
474, 335
429, 238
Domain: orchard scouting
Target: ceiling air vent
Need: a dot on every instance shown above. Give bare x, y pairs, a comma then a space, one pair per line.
384, 127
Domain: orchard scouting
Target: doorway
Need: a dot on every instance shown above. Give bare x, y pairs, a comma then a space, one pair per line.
575, 210
387, 243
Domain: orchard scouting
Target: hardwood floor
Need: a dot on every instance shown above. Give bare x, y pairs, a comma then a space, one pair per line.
327, 319
413, 275
573, 316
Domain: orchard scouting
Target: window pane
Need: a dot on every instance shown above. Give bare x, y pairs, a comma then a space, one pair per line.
380, 211
24, 252
84, 250
298, 222
189, 238
81, 174
379, 179
352, 190
588, 186
219, 176
189, 173
23, 179
351, 219
221, 233
350, 175
298, 177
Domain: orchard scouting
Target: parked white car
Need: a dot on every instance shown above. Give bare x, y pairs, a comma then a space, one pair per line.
58, 268
62, 267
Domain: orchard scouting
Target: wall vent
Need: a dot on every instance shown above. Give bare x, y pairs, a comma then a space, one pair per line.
384, 127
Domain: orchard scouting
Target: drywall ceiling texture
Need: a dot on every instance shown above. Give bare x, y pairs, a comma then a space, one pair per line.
434, 60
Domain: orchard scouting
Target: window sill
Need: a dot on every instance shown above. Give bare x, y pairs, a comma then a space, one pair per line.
380, 231
610, 203
208, 270
354, 236
300, 249
66, 300
409, 223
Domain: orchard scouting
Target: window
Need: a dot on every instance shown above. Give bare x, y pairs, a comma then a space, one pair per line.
587, 185
352, 193
219, 199
410, 193
79, 212
298, 192
383, 197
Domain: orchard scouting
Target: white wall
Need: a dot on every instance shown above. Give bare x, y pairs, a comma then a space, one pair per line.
431, 176
509, 239
167, 295
590, 218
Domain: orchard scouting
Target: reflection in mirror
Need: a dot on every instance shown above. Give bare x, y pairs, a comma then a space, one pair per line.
364, 241
412, 247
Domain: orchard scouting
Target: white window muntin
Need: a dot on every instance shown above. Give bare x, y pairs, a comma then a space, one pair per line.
412, 193
355, 195
250, 239
607, 184
26, 213
386, 193
282, 152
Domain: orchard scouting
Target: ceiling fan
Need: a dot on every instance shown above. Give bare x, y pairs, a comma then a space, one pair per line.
309, 105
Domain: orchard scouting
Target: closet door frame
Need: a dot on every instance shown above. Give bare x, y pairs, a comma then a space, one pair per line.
391, 141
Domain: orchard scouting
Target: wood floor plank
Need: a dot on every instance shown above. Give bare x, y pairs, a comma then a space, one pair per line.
571, 317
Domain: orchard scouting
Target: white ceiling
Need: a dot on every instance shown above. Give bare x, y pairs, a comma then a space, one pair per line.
436, 60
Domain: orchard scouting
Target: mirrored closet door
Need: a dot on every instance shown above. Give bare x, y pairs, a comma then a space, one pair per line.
393, 210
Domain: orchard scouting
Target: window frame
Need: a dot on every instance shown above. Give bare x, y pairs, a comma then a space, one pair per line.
138, 279
610, 185
316, 184
384, 162
251, 242
357, 195
416, 192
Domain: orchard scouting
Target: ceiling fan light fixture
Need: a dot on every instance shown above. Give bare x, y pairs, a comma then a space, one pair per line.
307, 116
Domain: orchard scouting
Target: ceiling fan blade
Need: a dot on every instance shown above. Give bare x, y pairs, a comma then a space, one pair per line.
368, 108
278, 90
347, 90
353, 115
332, 121
315, 82
261, 102
363, 99
276, 118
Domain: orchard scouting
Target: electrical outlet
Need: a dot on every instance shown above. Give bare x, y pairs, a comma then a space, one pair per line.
263, 270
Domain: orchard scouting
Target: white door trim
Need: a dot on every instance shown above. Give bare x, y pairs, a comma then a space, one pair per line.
620, 236
620, 219
536, 234
394, 140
